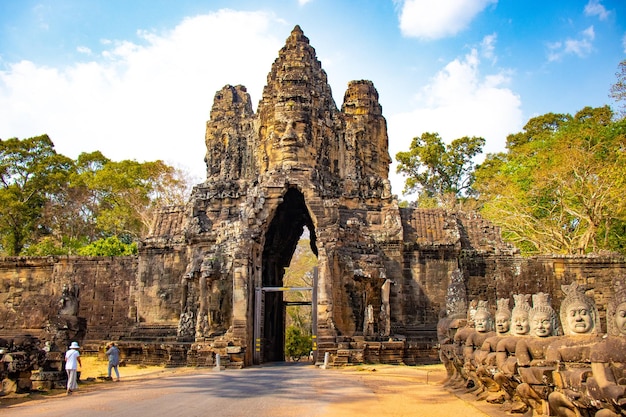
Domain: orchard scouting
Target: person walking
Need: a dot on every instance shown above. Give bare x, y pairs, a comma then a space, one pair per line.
113, 353
72, 360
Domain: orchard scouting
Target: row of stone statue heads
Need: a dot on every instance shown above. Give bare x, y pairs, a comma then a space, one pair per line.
530, 358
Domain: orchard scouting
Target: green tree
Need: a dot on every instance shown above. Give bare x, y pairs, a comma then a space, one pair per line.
31, 172
111, 246
128, 192
51, 205
107, 198
72, 211
559, 187
297, 344
436, 171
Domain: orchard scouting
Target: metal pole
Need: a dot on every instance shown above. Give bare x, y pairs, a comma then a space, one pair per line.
314, 315
258, 295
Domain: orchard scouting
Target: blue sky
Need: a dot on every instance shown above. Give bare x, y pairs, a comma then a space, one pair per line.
136, 79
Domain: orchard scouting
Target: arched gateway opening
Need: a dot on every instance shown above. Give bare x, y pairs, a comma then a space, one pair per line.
281, 239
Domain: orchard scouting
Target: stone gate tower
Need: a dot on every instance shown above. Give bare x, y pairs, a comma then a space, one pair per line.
298, 162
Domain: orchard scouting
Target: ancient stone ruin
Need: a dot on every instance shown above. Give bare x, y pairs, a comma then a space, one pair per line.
538, 361
209, 280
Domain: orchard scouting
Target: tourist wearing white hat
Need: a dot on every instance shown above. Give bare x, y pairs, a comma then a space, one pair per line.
72, 360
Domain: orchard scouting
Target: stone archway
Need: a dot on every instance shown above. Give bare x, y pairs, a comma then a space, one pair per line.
281, 239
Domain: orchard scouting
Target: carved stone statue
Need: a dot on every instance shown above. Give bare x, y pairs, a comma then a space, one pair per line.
485, 357
68, 303
460, 339
66, 326
579, 317
385, 309
503, 317
472, 353
607, 386
368, 322
534, 371
506, 361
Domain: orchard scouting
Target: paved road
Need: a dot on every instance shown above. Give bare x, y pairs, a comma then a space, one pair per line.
273, 391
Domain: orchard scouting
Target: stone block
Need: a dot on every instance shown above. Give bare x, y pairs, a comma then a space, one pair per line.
233, 349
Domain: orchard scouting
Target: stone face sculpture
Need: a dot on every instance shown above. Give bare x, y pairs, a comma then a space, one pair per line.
68, 303
506, 361
606, 387
571, 353
535, 372
579, 314
472, 353
503, 317
460, 339
572, 372
485, 357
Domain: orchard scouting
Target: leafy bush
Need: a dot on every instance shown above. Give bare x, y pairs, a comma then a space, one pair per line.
111, 246
297, 344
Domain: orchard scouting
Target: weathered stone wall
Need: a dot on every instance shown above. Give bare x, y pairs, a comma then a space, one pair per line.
157, 289
116, 298
32, 289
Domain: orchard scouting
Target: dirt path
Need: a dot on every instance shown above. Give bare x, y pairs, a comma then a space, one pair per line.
397, 391
412, 391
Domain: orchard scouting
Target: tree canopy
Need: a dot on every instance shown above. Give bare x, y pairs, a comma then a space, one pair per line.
31, 173
559, 187
435, 169
51, 204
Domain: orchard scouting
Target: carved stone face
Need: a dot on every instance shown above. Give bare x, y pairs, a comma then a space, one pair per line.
521, 325
542, 324
620, 318
481, 321
579, 318
503, 323
289, 138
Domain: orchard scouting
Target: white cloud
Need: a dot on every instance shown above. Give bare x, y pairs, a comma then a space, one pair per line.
84, 50
580, 47
594, 8
488, 46
147, 100
459, 101
303, 2
428, 19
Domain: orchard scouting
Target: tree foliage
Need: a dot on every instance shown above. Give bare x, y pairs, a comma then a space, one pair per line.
435, 170
297, 344
51, 204
31, 173
111, 246
559, 187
